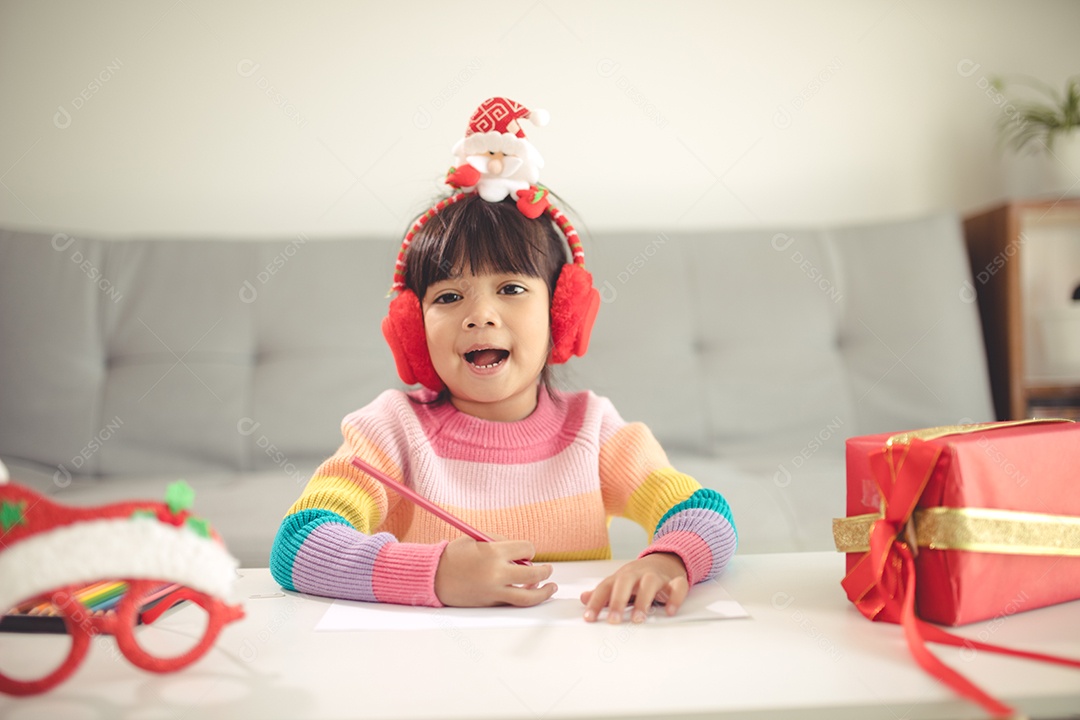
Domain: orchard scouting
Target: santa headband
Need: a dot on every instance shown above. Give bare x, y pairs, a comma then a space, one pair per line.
495, 160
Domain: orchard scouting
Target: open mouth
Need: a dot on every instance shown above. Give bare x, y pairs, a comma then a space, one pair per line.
487, 357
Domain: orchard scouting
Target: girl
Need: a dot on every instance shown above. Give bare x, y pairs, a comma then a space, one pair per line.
487, 302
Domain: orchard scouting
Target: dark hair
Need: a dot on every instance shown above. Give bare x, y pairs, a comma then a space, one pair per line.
485, 237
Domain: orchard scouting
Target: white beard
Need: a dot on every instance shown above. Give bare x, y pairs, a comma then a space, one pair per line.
521, 165
494, 189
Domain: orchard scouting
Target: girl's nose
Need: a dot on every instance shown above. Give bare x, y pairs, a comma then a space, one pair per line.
481, 313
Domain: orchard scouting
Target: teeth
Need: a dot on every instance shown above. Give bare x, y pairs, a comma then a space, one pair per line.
473, 355
489, 365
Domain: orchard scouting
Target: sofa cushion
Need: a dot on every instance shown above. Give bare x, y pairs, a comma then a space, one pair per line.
787, 340
645, 349
138, 357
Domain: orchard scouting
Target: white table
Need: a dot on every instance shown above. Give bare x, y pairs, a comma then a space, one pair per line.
804, 653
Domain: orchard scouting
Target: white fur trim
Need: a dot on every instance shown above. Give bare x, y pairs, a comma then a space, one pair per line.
111, 549
495, 142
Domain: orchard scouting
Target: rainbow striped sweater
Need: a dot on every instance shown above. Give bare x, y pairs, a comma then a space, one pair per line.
555, 479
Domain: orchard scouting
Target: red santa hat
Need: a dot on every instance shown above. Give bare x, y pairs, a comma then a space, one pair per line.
500, 115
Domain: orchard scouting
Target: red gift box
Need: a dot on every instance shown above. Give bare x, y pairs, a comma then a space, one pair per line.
960, 524
1015, 468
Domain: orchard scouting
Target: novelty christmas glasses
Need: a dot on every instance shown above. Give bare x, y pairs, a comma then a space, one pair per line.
152, 555
142, 601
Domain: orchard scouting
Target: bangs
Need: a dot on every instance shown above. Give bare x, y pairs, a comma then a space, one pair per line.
484, 237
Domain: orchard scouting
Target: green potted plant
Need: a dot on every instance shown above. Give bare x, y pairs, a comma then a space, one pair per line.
1040, 120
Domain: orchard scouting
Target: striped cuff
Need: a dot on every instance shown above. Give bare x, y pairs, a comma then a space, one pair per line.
405, 573
318, 552
700, 531
706, 499
691, 549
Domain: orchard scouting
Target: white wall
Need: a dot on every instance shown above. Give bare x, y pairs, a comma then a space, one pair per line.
201, 117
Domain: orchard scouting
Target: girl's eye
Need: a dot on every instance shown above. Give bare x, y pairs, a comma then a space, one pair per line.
447, 298
512, 289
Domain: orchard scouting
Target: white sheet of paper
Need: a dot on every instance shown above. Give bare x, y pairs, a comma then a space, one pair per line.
708, 601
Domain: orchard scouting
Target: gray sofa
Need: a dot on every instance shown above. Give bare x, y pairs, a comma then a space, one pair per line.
128, 363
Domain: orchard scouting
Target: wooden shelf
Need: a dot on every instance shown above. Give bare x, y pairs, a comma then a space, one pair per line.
999, 239
1061, 401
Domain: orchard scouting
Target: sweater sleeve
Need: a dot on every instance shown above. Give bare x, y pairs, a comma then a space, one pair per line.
680, 515
328, 542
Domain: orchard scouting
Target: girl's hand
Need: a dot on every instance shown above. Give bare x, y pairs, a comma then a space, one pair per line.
659, 576
481, 574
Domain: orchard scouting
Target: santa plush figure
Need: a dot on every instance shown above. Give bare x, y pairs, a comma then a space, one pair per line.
496, 160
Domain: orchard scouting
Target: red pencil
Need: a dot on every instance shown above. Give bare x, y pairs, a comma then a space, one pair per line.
418, 499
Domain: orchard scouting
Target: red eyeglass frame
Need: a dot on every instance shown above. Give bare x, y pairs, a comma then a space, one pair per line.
82, 625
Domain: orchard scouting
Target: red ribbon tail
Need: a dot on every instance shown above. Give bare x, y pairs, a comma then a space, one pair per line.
932, 633
913, 631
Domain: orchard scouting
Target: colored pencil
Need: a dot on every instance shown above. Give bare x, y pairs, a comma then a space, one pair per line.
103, 594
418, 499
98, 598
45, 607
150, 598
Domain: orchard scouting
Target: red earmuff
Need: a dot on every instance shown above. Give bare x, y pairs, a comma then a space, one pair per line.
573, 311
403, 328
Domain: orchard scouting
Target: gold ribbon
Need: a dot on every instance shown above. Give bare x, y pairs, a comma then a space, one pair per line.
1008, 532
941, 431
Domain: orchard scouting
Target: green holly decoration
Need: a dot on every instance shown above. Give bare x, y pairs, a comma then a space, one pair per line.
200, 526
12, 514
179, 496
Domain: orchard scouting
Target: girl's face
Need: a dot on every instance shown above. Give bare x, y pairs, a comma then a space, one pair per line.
488, 336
